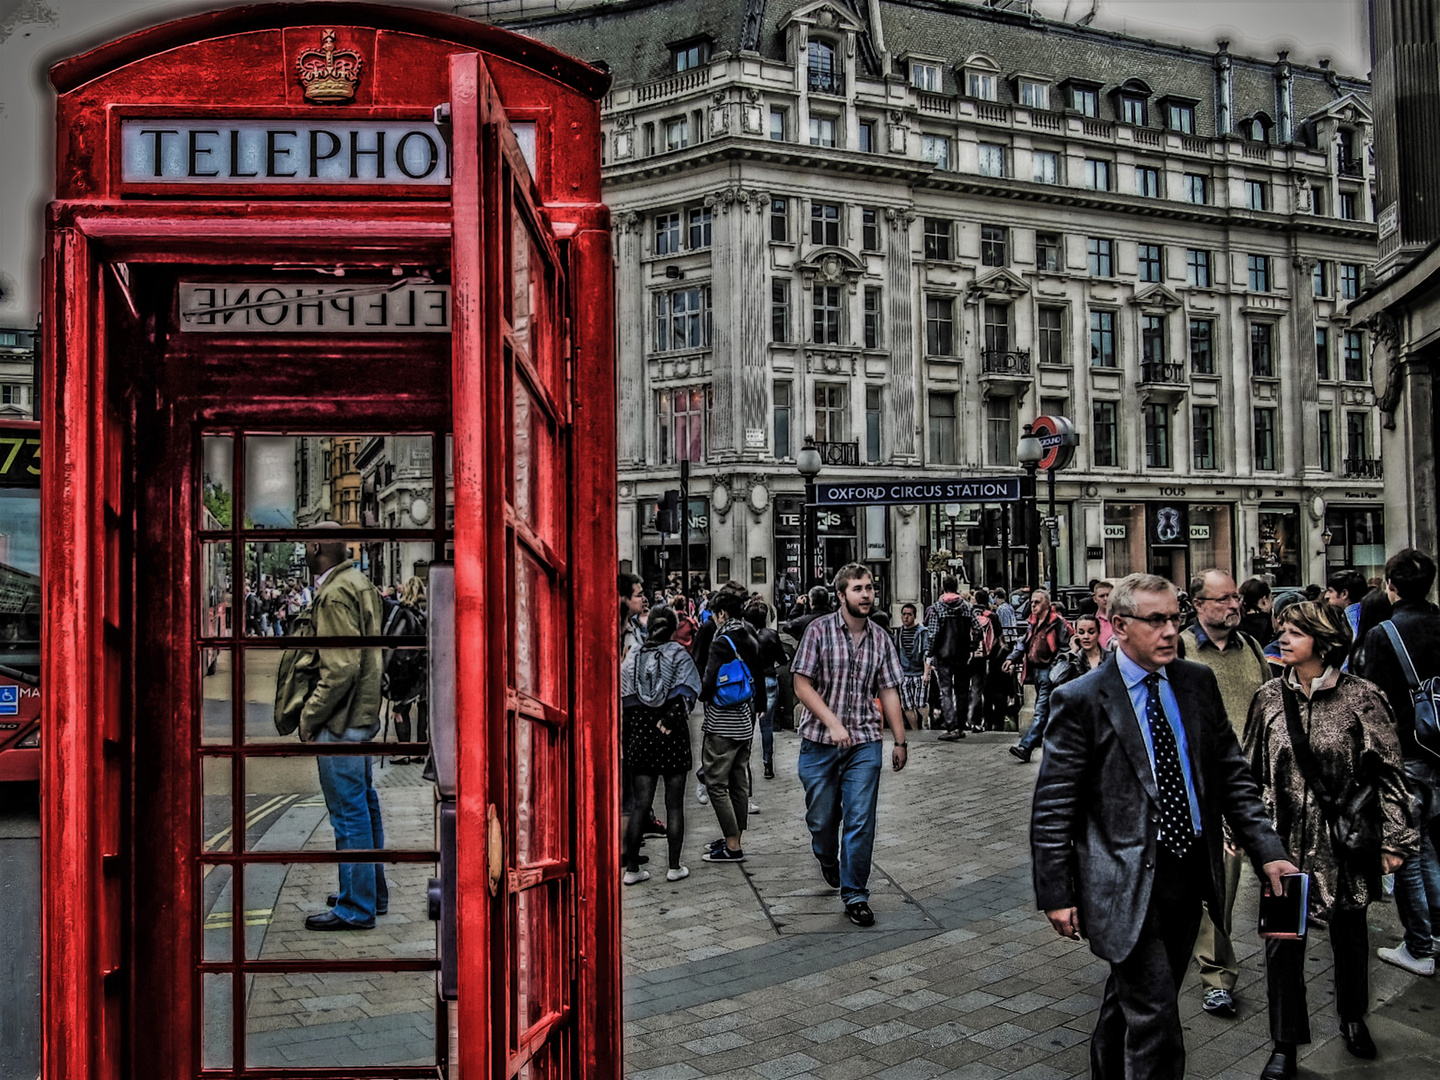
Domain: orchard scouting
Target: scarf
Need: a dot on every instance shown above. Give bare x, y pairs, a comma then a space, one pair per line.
657, 672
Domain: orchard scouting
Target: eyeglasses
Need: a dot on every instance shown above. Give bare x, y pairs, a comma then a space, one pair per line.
1159, 621
1228, 598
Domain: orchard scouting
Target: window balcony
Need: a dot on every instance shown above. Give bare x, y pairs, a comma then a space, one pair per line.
1363, 469
1351, 168
827, 82
1013, 362
1161, 373
839, 453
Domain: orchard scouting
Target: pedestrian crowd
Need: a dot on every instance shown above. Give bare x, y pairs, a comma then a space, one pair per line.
1182, 734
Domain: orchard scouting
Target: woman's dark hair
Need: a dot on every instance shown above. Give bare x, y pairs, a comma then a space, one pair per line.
1088, 618
728, 602
660, 627
1252, 591
1326, 624
1375, 608
982, 598
757, 616
1411, 572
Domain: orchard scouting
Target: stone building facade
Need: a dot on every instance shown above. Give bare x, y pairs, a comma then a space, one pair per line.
909, 228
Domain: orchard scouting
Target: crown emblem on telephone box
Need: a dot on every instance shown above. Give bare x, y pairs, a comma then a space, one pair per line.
328, 74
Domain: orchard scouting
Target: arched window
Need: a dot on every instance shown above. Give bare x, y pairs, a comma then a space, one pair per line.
826, 76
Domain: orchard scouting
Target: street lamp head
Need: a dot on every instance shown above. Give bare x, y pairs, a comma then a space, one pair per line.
952, 510
807, 462
1029, 451
1326, 537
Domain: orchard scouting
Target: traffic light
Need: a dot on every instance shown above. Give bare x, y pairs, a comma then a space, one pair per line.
667, 513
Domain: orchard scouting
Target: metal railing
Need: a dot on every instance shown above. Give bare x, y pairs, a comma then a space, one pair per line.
1364, 469
1351, 167
1005, 362
1165, 372
839, 453
827, 82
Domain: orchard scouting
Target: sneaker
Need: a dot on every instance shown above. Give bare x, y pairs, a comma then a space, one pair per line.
1218, 1002
679, 873
655, 828
1020, 752
718, 842
752, 808
1423, 966
634, 877
723, 854
702, 794
860, 914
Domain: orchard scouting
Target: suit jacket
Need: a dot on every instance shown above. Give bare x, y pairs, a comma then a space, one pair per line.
1096, 819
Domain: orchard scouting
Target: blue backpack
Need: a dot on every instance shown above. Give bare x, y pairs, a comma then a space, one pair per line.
1424, 696
732, 683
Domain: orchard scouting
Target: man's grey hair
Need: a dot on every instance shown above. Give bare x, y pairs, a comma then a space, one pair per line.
1123, 600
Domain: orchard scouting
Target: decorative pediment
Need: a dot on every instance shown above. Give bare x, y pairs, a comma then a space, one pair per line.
1158, 298
831, 266
827, 16
1000, 285
1348, 109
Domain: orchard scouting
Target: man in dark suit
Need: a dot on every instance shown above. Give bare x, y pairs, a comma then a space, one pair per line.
1140, 765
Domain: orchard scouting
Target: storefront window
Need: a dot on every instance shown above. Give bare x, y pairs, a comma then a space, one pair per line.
1357, 540
1277, 556
661, 558
1124, 534
1212, 538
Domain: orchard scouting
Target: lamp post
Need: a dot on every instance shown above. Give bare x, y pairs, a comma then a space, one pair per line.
1326, 538
952, 511
1028, 453
807, 463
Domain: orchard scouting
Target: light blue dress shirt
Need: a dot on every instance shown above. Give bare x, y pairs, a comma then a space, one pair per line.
1134, 676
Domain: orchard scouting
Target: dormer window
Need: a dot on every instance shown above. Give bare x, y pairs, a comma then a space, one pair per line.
1084, 98
1255, 128
690, 54
981, 78
1131, 103
925, 75
826, 75
1179, 115
1033, 93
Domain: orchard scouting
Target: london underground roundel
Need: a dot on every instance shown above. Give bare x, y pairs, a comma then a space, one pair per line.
1057, 438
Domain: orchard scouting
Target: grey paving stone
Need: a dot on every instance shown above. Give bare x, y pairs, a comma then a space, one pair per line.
787, 1066
830, 1029
886, 1032
713, 1044
914, 1069
678, 1071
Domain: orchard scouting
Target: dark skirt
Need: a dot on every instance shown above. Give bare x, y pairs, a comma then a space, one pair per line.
651, 752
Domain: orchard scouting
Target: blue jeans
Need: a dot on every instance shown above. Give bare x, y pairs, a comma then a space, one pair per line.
841, 789
767, 720
354, 807
1417, 882
1036, 733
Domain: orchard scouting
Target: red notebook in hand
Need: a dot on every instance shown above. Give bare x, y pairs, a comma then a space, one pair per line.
1283, 915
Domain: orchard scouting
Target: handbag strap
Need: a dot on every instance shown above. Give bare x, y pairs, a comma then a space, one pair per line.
1401, 653
1304, 755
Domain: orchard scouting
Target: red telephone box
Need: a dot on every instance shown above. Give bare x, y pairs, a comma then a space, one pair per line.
327, 278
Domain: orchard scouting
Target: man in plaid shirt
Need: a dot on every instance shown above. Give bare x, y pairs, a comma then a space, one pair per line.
843, 664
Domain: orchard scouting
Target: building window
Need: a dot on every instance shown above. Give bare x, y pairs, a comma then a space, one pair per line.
777, 124
1034, 95
1349, 206
1152, 339
700, 223
1147, 182
667, 234
825, 224
1349, 281
649, 138
1265, 449
1097, 174
690, 55
1180, 117
1322, 353
682, 319
825, 75
1098, 256
1202, 351
939, 326
1000, 431
1046, 166
780, 220
1151, 267
1047, 251
1132, 110
781, 420
1320, 278
925, 76
1197, 188
1050, 334
1357, 437
872, 424
1262, 350
680, 425
869, 228
866, 132
1354, 356
997, 327
780, 310
827, 313
1327, 441
993, 241
937, 239
1197, 268
943, 442
1257, 267
1106, 435
1257, 195
822, 131
832, 413
677, 133
1157, 435
872, 317
992, 159
1202, 431
1102, 339
981, 85
1085, 100
936, 150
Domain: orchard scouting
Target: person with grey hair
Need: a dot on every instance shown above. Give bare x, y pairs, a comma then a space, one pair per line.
1141, 765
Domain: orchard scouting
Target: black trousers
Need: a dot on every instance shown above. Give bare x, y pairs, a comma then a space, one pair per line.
1138, 1034
1285, 977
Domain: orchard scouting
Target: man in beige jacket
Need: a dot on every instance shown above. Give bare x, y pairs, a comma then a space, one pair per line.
332, 695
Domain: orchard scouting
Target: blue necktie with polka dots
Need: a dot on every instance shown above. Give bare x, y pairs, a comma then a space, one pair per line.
1177, 832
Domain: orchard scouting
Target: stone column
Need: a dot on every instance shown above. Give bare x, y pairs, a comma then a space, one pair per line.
753, 212
1302, 439
900, 404
631, 319
726, 291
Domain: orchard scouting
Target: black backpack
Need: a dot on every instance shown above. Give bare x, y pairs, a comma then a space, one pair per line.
953, 639
405, 670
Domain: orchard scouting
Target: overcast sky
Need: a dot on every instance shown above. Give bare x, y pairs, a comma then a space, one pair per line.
1310, 29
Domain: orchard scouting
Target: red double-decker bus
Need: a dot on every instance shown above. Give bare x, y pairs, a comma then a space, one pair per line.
19, 600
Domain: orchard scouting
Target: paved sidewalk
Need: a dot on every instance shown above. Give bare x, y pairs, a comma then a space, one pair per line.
751, 971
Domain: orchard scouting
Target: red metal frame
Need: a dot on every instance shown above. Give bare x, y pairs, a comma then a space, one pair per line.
19, 763
92, 791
